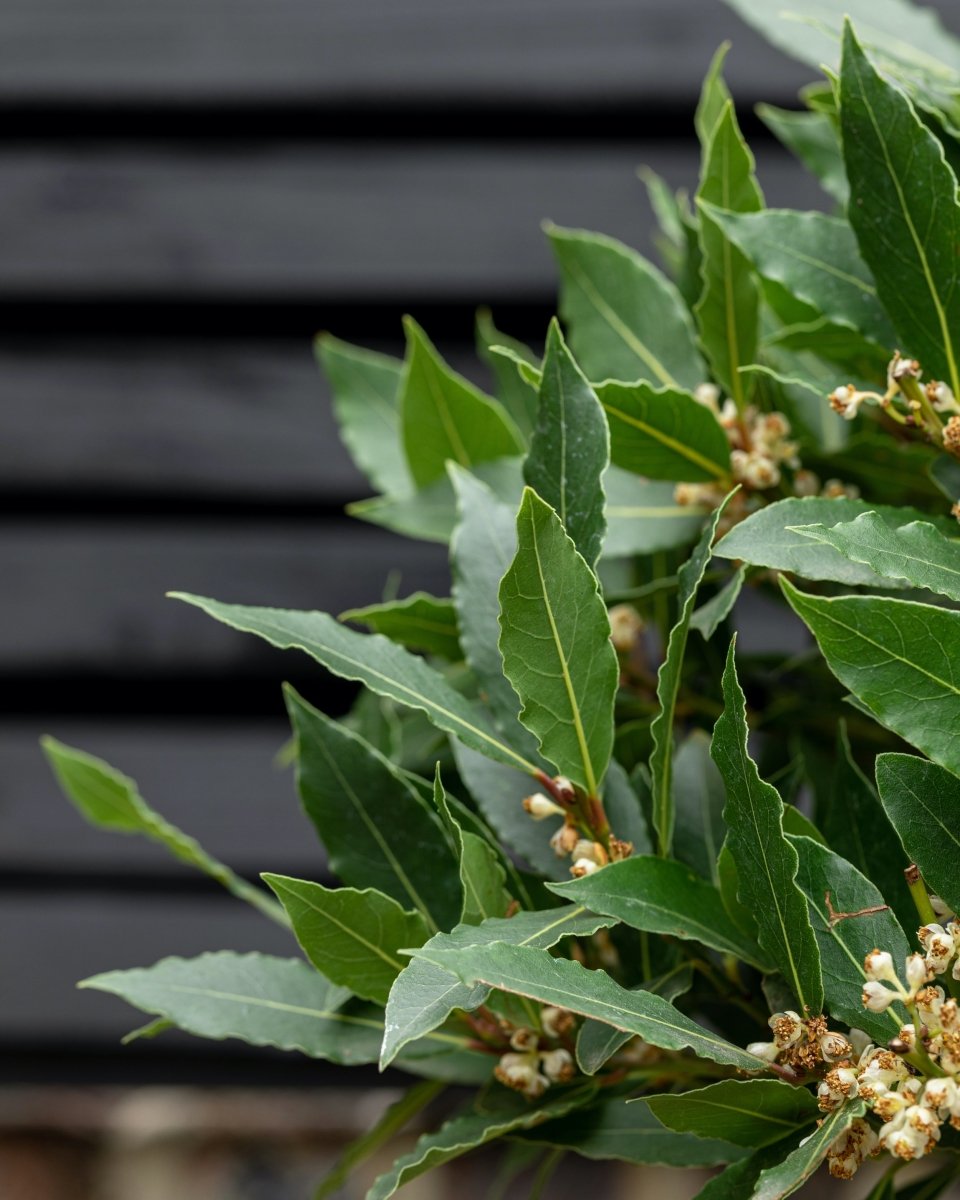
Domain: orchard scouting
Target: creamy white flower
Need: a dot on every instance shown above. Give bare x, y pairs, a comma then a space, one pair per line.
878, 964
834, 1046
540, 806
787, 1028
583, 866
557, 1065
765, 1050
876, 997
939, 947
916, 972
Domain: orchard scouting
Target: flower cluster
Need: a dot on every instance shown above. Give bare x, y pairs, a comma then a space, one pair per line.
529, 1068
760, 449
801, 1044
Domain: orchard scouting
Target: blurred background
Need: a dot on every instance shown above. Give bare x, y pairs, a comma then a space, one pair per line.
189, 191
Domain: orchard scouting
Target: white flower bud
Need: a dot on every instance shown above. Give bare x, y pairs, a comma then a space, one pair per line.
878, 964
768, 1051
556, 1021
941, 396
707, 394
564, 840
592, 850
540, 806
583, 866
876, 997
523, 1039
557, 1065
519, 1071
834, 1046
940, 907
860, 1042
916, 972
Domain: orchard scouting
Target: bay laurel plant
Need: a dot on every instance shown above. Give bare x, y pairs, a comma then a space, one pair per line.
650, 895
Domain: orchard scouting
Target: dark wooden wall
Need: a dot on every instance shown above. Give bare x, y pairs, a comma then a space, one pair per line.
188, 191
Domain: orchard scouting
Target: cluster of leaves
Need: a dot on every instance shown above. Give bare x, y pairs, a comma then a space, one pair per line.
705, 896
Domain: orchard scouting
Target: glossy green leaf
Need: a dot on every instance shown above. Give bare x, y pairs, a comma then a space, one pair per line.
568, 984
662, 896
110, 800
643, 516
663, 433
845, 941
624, 809
904, 211
419, 622
766, 862
714, 97
381, 665
922, 801
624, 318
482, 877
857, 828
816, 258
690, 576
514, 393
569, 449
916, 553
467, 1132
698, 799
398, 1115
740, 1178
619, 1129
352, 937
728, 311
445, 417
812, 137
747, 1112
898, 658
786, 1177
377, 830
597, 1041
710, 615
555, 642
729, 886
769, 538
424, 994
365, 392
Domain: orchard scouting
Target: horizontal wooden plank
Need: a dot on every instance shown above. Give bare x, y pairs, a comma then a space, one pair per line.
219, 783
49, 942
91, 597
343, 50
218, 419
329, 223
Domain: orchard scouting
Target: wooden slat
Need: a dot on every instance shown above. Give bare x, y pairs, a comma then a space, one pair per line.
333, 223
342, 50
91, 597
219, 419
49, 942
220, 783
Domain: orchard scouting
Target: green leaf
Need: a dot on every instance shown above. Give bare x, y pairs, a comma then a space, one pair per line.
567, 984
923, 803
747, 1112
624, 809
570, 448
419, 622
377, 830
352, 937
445, 417
708, 617
398, 1115
784, 1179
661, 896
690, 576
816, 258
663, 433
482, 877
625, 320
740, 1178
813, 139
714, 97
597, 1042
643, 516
629, 1132
112, 801
464, 1133
729, 885
856, 827
769, 538
424, 995
845, 942
366, 401
513, 392
917, 554
903, 209
944, 472
728, 311
898, 658
698, 799
555, 642
381, 665
766, 862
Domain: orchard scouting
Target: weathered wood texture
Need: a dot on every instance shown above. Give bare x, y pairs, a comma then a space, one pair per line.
377, 51
387, 223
